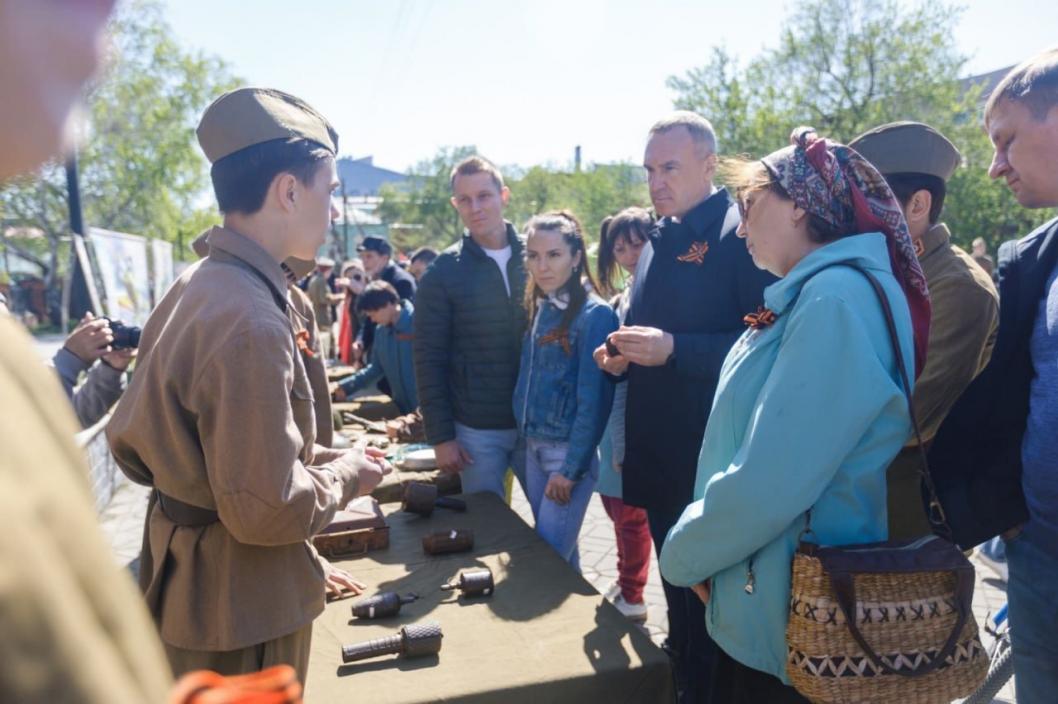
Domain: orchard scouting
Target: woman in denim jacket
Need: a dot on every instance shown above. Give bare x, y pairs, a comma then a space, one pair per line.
562, 399
809, 411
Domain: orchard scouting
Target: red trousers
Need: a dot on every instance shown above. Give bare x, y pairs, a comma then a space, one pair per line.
633, 547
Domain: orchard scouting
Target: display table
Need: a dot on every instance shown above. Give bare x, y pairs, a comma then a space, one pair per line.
338, 372
545, 636
373, 408
377, 409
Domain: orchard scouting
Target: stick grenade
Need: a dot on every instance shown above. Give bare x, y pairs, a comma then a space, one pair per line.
475, 582
412, 641
422, 499
445, 541
382, 605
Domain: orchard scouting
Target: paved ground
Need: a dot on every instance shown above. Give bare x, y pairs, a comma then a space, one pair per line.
48, 345
123, 522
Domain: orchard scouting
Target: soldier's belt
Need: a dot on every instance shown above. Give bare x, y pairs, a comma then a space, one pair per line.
185, 515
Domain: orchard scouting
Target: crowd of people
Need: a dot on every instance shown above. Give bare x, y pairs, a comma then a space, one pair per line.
729, 374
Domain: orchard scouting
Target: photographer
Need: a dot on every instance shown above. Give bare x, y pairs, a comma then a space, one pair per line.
91, 348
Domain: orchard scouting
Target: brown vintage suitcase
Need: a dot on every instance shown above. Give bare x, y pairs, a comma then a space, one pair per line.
358, 528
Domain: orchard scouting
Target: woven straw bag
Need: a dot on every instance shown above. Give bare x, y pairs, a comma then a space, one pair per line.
885, 622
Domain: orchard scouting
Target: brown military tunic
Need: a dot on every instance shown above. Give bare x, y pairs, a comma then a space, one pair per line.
962, 332
72, 627
312, 356
219, 418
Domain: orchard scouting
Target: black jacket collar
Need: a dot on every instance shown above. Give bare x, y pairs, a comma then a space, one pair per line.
469, 245
702, 218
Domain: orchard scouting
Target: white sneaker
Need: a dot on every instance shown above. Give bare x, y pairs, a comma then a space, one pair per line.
633, 612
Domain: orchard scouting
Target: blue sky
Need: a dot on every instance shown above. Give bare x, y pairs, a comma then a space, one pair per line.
523, 80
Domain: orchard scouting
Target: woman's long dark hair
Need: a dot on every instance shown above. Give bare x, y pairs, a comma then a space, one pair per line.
566, 224
632, 225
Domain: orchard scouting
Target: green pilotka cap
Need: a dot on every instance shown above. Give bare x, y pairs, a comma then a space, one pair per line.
247, 116
908, 147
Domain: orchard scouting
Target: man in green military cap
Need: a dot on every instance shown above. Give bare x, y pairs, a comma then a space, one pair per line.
917, 161
219, 417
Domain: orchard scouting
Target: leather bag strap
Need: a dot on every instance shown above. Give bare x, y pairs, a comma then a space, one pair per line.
845, 591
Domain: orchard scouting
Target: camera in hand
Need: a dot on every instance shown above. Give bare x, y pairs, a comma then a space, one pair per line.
126, 337
611, 349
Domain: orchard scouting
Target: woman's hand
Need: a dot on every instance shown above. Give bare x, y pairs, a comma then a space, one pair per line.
340, 583
559, 488
703, 590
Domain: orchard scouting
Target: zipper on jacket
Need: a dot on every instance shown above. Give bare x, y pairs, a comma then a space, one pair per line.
529, 379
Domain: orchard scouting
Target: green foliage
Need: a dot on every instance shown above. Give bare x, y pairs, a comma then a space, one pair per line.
141, 170
591, 194
421, 214
845, 66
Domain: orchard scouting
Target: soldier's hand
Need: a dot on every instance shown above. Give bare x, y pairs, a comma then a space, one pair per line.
340, 583
91, 339
373, 468
358, 470
452, 457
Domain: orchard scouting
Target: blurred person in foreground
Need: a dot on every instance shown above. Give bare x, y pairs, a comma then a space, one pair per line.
73, 627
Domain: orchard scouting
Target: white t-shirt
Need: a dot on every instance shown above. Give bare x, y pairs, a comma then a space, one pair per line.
501, 257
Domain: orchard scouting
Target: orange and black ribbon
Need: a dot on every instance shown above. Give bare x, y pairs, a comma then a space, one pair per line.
761, 319
304, 347
560, 338
696, 253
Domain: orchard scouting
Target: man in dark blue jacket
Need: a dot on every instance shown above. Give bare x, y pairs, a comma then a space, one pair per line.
693, 286
995, 461
469, 323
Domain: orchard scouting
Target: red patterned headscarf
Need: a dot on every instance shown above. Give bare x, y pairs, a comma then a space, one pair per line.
835, 183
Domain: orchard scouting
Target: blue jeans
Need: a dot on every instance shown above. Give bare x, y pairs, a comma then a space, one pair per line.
1032, 595
558, 525
493, 451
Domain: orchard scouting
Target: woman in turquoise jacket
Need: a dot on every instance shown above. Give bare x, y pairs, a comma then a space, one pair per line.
809, 410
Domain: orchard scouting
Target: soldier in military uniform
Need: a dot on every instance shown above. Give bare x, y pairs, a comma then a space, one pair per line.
917, 162
312, 354
219, 418
72, 628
